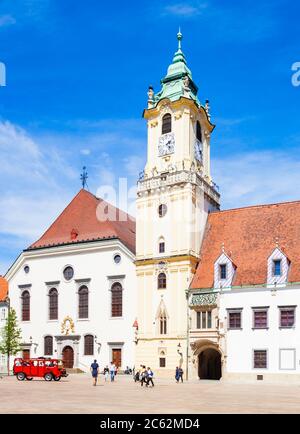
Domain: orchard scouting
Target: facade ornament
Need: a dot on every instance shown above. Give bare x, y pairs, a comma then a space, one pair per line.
207, 108
67, 326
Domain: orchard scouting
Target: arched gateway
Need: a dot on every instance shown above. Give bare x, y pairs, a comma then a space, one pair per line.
209, 364
68, 357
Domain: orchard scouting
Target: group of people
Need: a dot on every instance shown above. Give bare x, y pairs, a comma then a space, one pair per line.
178, 374
111, 371
144, 376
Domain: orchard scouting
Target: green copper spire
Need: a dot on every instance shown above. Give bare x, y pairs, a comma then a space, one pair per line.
178, 82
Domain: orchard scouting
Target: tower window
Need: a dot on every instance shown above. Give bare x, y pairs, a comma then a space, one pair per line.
83, 303
116, 300
25, 306
166, 124
162, 247
53, 304
198, 132
162, 210
162, 281
163, 324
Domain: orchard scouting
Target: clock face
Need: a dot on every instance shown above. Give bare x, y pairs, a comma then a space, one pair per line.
198, 151
166, 144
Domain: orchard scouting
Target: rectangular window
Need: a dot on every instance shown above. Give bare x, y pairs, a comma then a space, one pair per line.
260, 318
223, 271
277, 267
287, 317
260, 359
162, 247
162, 362
235, 319
204, 320
3, 314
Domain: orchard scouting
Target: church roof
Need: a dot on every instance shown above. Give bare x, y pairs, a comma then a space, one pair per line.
85, 219
249, 236
3, 288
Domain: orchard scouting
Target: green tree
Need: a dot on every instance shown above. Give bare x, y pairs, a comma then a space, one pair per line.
11, 337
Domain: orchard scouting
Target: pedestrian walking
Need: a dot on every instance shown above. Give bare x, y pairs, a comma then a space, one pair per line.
177, 374
144, 376
180, 374
95, 372
150, 377
112, 371
106, 372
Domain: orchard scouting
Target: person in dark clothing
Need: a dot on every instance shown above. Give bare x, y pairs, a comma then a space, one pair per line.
180, 374
144, 376
95, 372
150, 377
177, 374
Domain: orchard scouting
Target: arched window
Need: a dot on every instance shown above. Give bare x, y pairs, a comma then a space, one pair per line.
116, 300
89, 345
162, 281
198, 132
166, 124
162, 210
161, 245
53, 304
25, 306
83, 305
163, 324
48, 346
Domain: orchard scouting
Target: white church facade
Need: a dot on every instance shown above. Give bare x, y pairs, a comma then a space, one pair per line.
74, 290
185, 284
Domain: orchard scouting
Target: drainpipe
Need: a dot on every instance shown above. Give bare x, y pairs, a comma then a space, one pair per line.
187, 293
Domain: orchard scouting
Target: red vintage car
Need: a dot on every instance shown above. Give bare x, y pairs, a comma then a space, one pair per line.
49, 369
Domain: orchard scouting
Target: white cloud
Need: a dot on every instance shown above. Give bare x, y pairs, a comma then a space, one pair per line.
85, 151
7, 20
185, 9
258, 178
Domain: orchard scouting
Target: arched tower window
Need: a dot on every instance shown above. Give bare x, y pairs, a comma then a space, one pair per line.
83, 305
162, 281
89, 345
166, 124
25, 306
48, 346
198, 132
116, 300
53, 304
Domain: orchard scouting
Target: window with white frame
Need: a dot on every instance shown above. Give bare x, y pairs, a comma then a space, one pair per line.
3, 314
204, 319
224, 270
234, 319
278, 267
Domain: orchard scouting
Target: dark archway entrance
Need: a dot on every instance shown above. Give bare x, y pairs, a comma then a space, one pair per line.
209, 365
68, 357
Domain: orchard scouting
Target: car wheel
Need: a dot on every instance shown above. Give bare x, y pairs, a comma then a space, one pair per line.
57, 378
48, 377
21, 376
29, 378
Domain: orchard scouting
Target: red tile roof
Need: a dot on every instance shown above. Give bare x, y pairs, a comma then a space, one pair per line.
81, 221
3, 288
249, 236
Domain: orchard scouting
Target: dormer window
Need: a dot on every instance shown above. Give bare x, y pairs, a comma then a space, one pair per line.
166, 124
277, 267
223, 271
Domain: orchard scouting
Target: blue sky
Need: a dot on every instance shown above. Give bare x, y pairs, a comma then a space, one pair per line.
77, 77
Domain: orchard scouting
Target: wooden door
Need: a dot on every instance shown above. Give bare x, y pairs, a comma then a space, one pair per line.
117, 357
68, 357
26, 354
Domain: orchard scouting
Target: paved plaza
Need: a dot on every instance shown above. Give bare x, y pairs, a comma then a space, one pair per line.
76, 394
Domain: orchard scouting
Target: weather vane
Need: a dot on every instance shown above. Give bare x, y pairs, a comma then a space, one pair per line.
84, 177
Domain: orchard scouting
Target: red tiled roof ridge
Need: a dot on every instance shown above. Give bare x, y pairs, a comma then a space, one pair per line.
263, 205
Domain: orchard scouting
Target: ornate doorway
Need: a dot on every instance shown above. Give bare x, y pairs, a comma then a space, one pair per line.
68, 357
209, 365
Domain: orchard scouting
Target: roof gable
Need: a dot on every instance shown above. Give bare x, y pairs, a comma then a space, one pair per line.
250, 234
83, 220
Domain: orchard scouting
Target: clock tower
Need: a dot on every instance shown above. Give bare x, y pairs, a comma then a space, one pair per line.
175, 195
